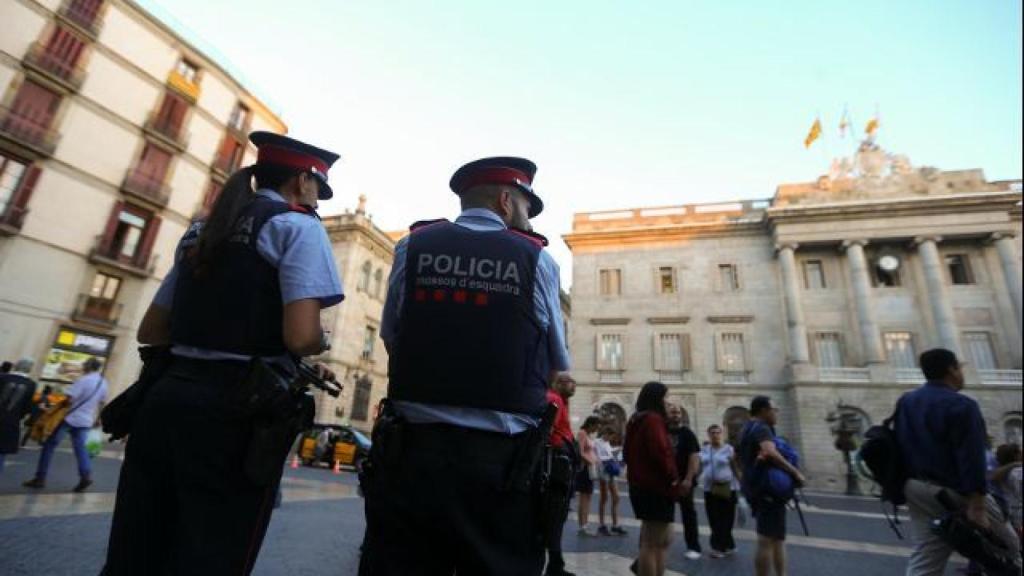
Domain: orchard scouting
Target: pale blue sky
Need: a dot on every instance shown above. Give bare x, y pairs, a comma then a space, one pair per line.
621, 104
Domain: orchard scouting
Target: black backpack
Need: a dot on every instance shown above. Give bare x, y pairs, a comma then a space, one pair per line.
881, 454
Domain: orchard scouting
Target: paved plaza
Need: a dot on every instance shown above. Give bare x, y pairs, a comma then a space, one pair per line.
318, 530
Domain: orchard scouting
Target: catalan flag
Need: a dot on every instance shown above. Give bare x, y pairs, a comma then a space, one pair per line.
814, 134
844, 123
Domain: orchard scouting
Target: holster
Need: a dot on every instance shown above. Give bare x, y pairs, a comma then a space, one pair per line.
278, 413
523, 475
386, 447
118, 415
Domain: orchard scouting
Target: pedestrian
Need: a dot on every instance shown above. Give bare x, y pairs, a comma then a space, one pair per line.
241, 303
687, 454
587, 473
84, 399
757, 448
941, 434
16, 391
6, 366
720, 480
563, 458
473, 327
1008, 477
608, 471
652, 476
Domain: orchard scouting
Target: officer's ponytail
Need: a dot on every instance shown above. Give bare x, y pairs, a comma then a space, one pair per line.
234, 196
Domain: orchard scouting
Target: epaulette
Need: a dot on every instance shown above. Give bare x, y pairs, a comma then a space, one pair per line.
424, 223
530, 235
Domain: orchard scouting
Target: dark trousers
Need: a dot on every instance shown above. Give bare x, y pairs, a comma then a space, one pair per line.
689, 517
184, 505
721, 516
559, 494
437, 504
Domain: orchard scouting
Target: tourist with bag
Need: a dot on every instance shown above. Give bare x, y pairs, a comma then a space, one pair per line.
720, 480
82, 402
608, 472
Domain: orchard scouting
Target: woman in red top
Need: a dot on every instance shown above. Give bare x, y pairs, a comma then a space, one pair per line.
652, 475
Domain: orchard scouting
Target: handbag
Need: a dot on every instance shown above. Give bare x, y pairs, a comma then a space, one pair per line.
721, 490
612, 468
49, 420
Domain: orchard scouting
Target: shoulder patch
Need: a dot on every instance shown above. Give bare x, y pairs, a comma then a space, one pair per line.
537, 239
425, 223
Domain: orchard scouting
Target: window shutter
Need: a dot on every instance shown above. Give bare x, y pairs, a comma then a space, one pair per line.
108, 233
148, 238
23, 193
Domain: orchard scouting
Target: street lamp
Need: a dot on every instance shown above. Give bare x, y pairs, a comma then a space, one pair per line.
847, 425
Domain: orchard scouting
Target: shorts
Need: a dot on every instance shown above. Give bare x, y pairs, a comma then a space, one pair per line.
651, 506
603, 475
771, 519
584, 484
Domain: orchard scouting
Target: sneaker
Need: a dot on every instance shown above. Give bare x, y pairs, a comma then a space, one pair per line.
603, 530
584, 532
34, 483
730, 551
692, 555
716, 554
619, 531
83, 485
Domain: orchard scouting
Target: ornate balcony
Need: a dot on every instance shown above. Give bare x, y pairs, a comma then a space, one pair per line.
82, 16
167, 133
54, 67
98, 311
107, 253
26, 134
146, 188
1000, 377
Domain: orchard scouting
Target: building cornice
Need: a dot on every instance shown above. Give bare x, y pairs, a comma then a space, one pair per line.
924, 205
344, 224
636, 236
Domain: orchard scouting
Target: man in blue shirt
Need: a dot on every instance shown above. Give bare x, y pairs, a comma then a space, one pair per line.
941, 434
473, 328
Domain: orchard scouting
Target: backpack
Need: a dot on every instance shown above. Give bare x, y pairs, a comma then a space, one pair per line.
880, 454
772, 482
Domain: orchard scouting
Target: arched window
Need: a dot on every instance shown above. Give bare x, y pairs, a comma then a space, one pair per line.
364, 278
378, 281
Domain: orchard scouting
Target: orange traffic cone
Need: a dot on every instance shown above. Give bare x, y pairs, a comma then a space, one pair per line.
295, 461
337, 466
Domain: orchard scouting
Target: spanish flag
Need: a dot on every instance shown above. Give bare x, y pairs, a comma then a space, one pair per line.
814, 134
872, 127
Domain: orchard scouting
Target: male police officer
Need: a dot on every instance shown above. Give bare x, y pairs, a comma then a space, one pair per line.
474, 333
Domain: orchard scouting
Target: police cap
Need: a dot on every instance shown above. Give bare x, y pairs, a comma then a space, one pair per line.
284, 151
506, 170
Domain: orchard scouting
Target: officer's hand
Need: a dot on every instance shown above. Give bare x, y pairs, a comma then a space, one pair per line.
977, 514
685, 486
324, 372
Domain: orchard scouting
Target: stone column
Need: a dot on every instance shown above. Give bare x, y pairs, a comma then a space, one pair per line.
870, 337
794, 309
938, 296
1011, 272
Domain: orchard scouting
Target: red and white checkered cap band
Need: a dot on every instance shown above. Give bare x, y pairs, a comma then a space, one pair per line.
498, 175
292, 159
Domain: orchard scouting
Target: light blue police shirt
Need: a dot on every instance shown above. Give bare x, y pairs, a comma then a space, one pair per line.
549, 313
294, 243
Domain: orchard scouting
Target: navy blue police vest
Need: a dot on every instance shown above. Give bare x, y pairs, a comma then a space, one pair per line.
234, 304
469, 334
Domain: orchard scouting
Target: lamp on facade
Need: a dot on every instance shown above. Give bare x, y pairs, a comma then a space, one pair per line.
847, 425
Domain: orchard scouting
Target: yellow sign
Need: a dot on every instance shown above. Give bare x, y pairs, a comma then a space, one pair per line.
66, 338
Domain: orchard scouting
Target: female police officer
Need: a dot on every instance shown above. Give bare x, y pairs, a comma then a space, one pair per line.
248, 282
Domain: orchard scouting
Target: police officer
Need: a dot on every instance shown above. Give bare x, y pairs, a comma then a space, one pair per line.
473, 329
248, 283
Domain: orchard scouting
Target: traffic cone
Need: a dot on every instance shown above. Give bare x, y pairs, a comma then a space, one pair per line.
337, 466
295, 461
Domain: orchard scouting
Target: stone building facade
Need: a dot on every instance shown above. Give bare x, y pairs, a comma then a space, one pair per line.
115, 131
820, 297
363, 253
